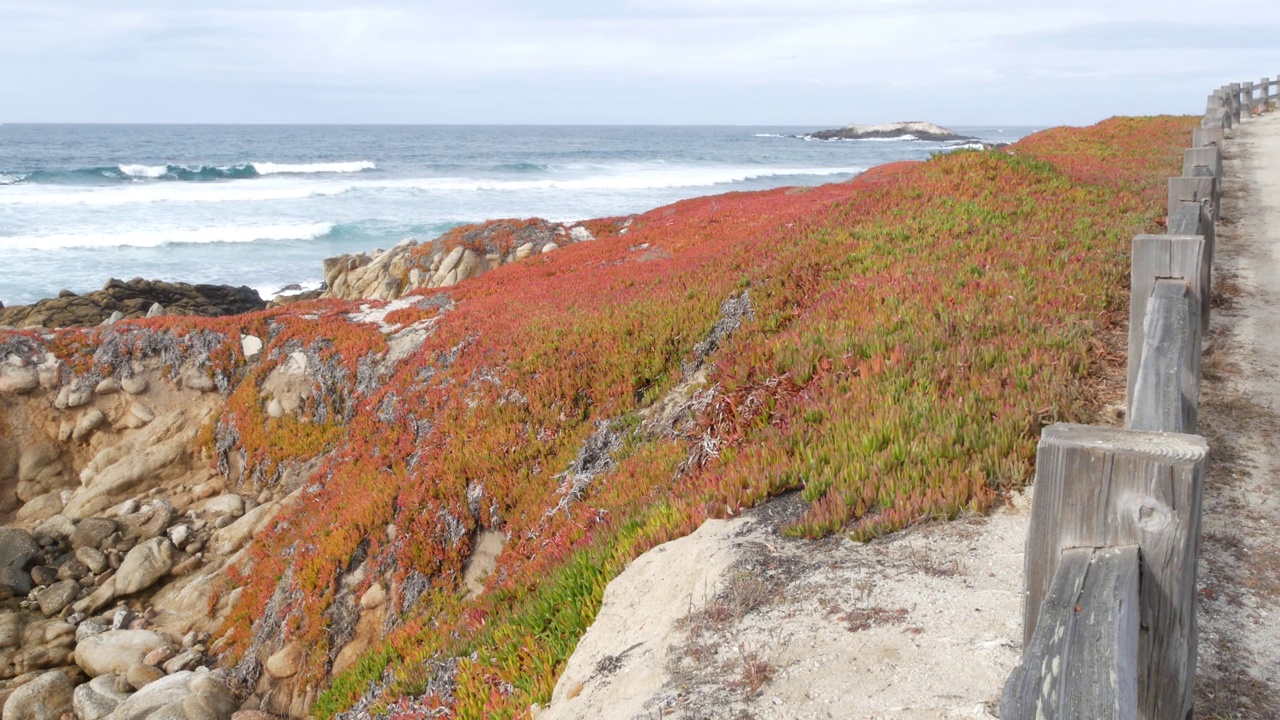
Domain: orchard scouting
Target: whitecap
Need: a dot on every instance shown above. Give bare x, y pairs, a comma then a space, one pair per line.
11, 179
171, 236
267, 168
144, 171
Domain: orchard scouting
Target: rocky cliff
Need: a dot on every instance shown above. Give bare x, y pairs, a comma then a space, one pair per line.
460, 254
133, 299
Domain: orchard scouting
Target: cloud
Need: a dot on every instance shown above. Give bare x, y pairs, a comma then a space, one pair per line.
689, 60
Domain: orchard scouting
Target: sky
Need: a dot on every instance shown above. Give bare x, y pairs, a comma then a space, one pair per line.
818, 63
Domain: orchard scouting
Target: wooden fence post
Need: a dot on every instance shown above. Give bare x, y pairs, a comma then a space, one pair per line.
1164, 256
1193, 189
1234, 90
1106, 487
1202, 162
1083, 660
1166, 394
1206, 137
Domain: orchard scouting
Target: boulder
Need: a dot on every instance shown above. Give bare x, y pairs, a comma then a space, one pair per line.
87, 423
135, 385
93, 558
286, 662
142, 674
114, 651
17, 547
145, 564
58, 527
57, 596
171, 690
47, 697
90, 532
96, 699
10, 629
17, 380
234, 536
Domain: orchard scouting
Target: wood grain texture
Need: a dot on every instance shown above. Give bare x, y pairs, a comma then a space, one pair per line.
1164, 256
1082, 662
1101, 487
1166, 394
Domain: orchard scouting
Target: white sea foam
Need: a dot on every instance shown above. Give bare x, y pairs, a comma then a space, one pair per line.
649, 178
270, 292
266, 168
144, 171
11, 179
632, 176
770, 135
157, 238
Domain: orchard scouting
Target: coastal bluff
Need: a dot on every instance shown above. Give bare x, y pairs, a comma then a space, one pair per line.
408, 497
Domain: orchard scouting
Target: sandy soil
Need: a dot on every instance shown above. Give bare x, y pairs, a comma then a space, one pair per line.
737, 621
1239, 664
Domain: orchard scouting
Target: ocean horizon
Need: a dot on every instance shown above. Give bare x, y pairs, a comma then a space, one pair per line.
263, 205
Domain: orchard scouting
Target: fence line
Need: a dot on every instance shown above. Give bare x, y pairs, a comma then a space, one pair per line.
1109, 604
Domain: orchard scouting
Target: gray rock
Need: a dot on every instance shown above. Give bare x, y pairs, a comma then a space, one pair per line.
58, 527
141, 674
90, 532
45, 698
115, 650
156, 310
155, 696
93, 558
145, 565
72, 569
10, 629
135, 385
185, 660
16, 380
57, 596
152, 520
73, 396
17, 547
108, 386
44, 575
87, 423
88, 628
14, 581
96, 699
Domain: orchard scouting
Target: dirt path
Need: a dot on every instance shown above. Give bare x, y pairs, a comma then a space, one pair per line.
1239, 664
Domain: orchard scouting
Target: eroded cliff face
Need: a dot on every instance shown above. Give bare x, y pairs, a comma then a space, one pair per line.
128, 511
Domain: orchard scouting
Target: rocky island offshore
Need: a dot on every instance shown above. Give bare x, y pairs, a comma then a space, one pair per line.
407, 497
913, 130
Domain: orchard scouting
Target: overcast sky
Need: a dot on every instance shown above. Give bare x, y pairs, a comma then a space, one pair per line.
790, 62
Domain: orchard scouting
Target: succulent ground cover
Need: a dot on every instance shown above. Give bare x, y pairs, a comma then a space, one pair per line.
897, 343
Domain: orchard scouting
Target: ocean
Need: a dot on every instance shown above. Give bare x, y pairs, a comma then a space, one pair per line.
263, 205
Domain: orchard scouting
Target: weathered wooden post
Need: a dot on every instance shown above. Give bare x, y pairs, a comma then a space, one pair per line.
1246, 99
1083, 659
1206, 136
1234, 89
1194, 189
1100, 487
1166, 394
1203, 162
1164, 256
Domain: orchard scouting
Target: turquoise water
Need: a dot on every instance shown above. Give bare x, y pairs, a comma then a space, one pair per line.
263, 205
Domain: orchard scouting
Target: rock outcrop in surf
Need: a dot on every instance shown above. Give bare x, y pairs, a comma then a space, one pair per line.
913, 130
